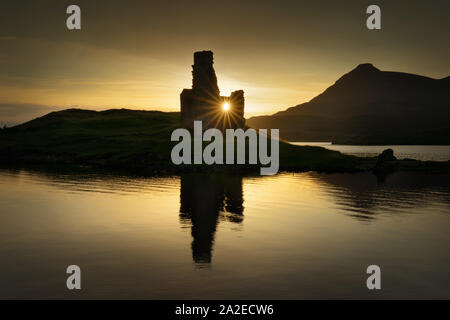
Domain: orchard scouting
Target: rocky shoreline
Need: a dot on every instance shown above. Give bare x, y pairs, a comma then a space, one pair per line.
383, 165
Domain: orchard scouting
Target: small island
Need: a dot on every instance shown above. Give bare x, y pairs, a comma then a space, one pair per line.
140, 141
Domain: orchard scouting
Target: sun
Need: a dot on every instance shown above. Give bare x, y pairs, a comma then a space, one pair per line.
226, 106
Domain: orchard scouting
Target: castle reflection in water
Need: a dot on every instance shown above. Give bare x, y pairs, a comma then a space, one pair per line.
204, 200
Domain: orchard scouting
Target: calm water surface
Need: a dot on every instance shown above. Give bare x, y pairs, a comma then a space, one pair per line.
290, 236
424, 153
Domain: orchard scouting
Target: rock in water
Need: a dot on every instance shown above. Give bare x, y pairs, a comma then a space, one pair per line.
386, 163
386, 156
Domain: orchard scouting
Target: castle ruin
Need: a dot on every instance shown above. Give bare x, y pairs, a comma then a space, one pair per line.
204, 102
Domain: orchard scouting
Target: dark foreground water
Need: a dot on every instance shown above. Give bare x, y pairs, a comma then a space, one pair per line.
291, 236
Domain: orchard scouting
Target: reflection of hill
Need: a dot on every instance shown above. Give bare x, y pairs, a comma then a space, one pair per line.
203, 199
362, 193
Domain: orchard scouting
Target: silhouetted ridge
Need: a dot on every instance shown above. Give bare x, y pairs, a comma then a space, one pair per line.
370, 106
363, 69
366, 67
362, 72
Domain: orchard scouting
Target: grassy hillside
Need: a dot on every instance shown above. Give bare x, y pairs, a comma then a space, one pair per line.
128, 139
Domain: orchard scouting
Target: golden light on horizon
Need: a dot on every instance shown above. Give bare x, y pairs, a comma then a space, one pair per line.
226, 107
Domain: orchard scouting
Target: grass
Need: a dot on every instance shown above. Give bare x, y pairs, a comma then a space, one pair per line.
131, 139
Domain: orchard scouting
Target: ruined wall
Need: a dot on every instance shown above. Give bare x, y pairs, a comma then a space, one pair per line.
237, 103
203, 102
204, 80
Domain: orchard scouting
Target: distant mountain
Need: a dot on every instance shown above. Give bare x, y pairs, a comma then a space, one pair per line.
369, 106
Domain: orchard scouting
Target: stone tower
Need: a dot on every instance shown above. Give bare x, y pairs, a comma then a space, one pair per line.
204, 102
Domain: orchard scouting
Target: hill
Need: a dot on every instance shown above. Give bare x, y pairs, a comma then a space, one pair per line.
369, 106
130, 140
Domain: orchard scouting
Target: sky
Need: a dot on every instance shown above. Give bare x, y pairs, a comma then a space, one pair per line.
138, 54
